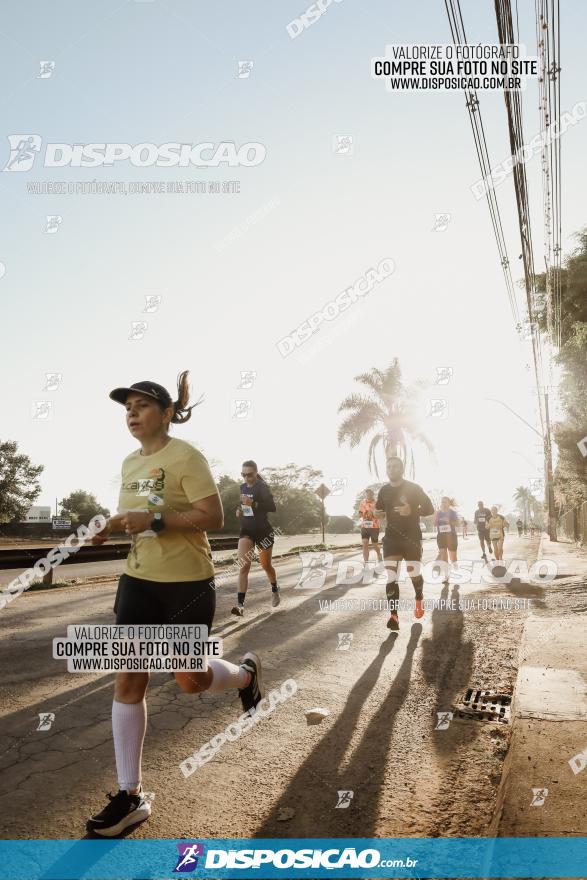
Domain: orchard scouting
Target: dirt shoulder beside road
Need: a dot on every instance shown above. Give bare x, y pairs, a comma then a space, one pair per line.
543, 790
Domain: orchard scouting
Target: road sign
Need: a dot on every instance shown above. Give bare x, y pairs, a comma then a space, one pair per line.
38, 514
322, 491
60, 522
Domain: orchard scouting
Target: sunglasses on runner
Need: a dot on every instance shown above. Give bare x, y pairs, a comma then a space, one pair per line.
247, 473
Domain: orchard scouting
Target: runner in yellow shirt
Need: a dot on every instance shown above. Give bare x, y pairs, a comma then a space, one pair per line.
168, 499
496, 533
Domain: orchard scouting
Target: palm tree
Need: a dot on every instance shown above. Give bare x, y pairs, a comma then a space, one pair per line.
523, 498
388, 410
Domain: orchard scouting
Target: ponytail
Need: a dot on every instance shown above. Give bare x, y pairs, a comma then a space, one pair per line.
182, 412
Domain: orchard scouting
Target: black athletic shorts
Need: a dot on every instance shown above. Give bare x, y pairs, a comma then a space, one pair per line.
265, 538
447, 541
405, 548
370, 533
484, 533
190, 602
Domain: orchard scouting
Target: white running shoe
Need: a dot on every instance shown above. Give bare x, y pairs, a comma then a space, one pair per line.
238, 610
275, 597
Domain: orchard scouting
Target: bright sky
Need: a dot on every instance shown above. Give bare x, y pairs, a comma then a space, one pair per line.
159, 72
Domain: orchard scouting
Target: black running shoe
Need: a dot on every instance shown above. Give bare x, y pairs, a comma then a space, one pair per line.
124, 809
253, 693
393, 622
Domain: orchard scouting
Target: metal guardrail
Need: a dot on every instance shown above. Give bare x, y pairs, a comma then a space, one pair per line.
26, 557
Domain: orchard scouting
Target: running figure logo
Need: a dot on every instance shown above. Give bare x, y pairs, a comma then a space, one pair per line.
344, 641
47, 68
247, 379
245, 68
539, 796
152, 303
187, 860
315, 568
344, 800
53, 223
23, 151
241, 409
46, 719
444, 719
441, 222
438, 408
342, 144
443, 375
53, 381
138, 329
42, 410
338, 486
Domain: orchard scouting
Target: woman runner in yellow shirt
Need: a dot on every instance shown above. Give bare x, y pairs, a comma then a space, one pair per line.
495, 526
168, 498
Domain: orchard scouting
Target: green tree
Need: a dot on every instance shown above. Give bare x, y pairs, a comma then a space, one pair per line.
19, 485
229, 490
80, 507
387, 412
523, 498
339, 525
298, 507
298, 511
570, 478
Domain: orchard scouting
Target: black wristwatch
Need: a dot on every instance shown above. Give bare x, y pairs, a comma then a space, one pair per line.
157, 525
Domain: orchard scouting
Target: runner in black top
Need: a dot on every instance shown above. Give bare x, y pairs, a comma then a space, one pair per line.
256, 531
482, 517
402, 503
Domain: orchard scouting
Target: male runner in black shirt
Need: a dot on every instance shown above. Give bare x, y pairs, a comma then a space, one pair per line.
402, 503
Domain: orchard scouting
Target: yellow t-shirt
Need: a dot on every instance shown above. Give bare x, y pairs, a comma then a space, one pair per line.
495, 526
167, 481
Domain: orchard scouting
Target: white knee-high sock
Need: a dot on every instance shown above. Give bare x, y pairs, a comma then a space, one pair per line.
129, 723
226, 676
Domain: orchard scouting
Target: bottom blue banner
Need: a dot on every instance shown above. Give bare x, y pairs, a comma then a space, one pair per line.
372, 858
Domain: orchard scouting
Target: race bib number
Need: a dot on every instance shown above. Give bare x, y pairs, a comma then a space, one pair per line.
495, 533
247, 510
481, 520
444, 528
367, 524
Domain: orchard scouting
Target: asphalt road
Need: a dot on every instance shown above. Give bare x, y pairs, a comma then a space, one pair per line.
283, 778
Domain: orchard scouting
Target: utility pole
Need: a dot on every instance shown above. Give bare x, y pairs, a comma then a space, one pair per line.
549, 477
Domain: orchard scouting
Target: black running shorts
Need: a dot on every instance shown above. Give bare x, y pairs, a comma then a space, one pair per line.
190, 602
373, 534
263, 540
405, 548
447, 541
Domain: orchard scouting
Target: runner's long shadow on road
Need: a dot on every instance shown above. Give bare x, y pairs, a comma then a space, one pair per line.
314, 787
447, 660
